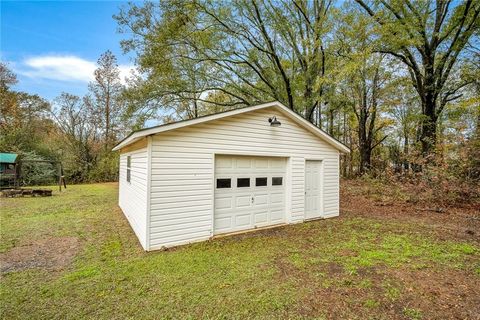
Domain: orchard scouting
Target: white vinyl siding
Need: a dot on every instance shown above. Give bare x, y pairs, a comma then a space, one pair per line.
183, 162
133, 194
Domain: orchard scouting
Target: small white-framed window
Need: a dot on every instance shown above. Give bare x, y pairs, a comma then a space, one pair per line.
129, 163
261, 182
243, 182
224, 183
277, 181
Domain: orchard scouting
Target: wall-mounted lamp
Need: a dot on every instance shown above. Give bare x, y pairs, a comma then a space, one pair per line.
274, 122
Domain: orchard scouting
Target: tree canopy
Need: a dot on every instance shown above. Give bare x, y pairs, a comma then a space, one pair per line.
396, 81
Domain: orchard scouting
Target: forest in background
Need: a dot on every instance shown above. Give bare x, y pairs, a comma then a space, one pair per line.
398, 82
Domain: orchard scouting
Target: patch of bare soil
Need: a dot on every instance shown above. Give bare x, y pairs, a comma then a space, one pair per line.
277, 231
459, 221
52, 254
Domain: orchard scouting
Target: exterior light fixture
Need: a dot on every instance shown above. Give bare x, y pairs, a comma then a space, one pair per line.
274, 122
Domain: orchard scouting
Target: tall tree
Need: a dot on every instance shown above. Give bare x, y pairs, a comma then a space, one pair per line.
76, 122
249, 51
403, 106
367, 90
9, 113
365, 73
24, 118
429, 38
106, 91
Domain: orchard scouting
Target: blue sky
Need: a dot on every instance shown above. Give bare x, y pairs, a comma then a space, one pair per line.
52, 46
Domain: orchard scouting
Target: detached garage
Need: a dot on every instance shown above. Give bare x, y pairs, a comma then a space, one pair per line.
244, 169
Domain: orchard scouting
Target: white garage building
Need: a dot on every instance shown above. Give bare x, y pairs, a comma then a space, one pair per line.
243, 169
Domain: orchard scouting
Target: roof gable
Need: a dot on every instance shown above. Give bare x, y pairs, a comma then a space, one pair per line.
299, 120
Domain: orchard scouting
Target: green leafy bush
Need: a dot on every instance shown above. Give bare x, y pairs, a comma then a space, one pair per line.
36, 170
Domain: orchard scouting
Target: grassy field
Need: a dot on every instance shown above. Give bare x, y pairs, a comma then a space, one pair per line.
74, 256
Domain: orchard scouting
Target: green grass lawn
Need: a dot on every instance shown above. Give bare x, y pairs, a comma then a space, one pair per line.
348, 267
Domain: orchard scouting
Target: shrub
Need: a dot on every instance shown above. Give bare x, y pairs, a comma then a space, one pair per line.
36, 170
106, 169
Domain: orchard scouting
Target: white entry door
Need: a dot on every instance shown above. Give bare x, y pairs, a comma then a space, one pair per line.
313, 189
249, 192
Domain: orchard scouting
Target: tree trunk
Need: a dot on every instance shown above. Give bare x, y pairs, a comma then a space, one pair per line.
319, 124
428, 134
364, 143
320, 115
405, 152
313, 103
107, 122
330, 125
309, 105
350, 161
364, 133
365, 158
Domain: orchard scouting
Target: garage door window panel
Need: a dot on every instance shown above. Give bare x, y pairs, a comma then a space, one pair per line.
277, 181
243, 182
261, 182
224, 183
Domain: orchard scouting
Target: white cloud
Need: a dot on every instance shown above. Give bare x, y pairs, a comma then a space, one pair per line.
126, 71
64, 68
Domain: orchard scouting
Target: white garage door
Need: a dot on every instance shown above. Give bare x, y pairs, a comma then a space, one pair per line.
249, 192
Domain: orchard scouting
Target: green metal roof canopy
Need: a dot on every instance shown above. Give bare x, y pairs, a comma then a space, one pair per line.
8, 157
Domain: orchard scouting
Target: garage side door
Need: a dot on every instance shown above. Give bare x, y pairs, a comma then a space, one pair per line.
249, 192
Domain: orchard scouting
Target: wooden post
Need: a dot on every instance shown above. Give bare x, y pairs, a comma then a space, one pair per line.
63, 176
59, 177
